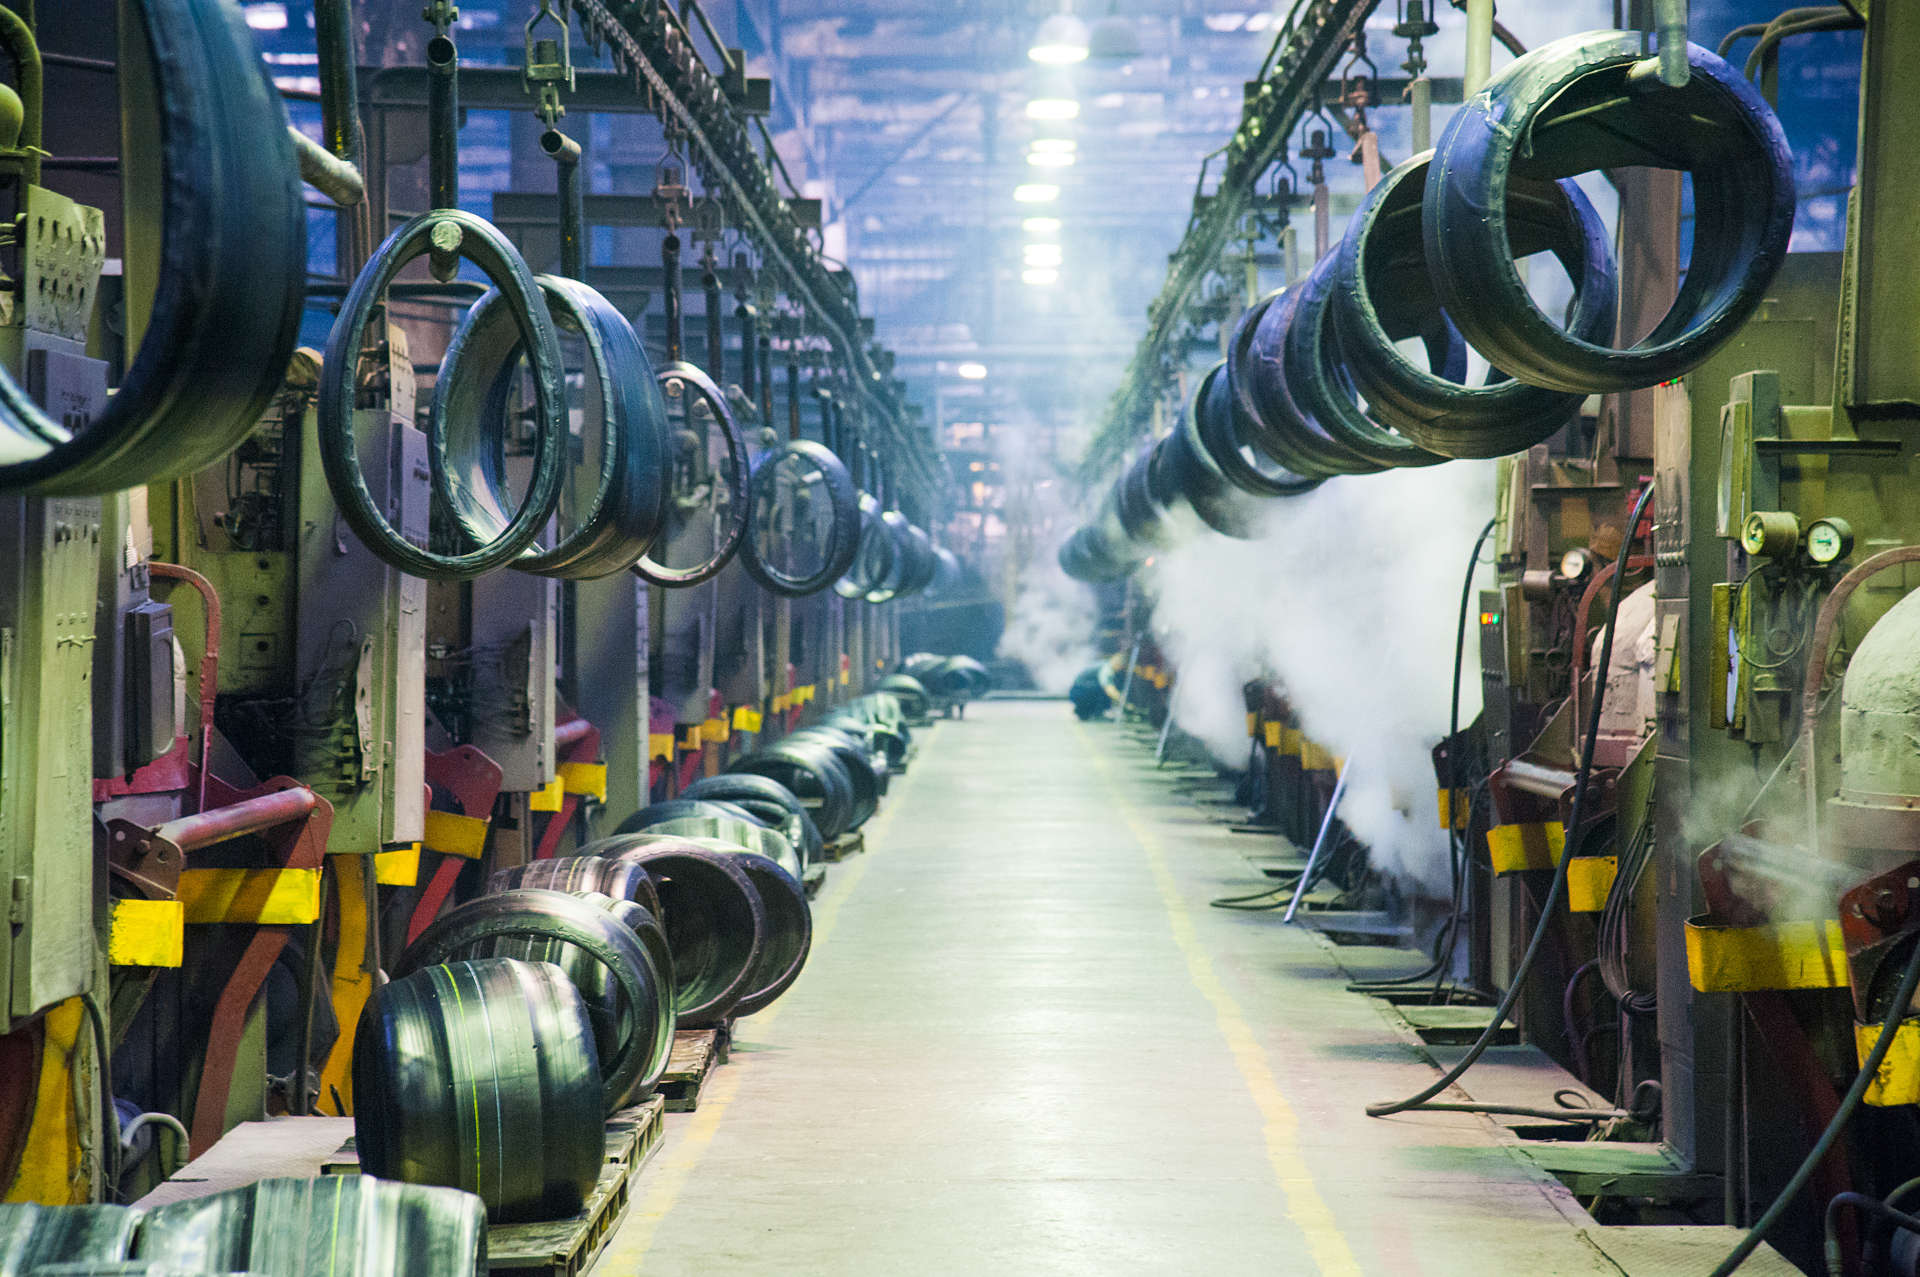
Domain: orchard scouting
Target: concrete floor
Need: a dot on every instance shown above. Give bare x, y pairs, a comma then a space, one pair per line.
1025, 1044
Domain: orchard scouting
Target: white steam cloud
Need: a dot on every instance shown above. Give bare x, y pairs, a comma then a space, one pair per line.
1050, 630
1349, 601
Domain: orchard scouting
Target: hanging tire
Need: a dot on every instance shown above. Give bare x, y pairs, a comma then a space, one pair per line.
482, 1076
1385, 289
1567, 108
779, 477
231, 275
550, 919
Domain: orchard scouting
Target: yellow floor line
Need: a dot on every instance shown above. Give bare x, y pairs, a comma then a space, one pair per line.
670, 1175
1305, 1207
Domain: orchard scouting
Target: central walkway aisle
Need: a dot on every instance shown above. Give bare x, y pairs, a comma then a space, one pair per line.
1025, 1045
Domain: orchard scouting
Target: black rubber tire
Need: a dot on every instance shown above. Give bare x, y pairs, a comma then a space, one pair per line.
740, 503
646, 928
789, 932
540, 915
814, 773
912, 693
873, 558
1282, 428
1566, 108
1316, 375
482, 1076
843, 539
716, 925
1385, 286
576, 873
676, 808
627, 503
854, 761
761, 795
487, 248
231, 277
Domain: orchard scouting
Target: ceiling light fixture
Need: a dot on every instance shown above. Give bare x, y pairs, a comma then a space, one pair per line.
1039, 276
1036, 193
1040, 225
1050, 159
1053, 109
972, 372
1060, 41
1114, 39
1053, 145
1042, 254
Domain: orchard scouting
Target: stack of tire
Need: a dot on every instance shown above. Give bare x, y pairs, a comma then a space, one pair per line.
838, 768
518, 1021
1318, 383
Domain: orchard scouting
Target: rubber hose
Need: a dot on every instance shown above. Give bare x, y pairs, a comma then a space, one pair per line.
1559, 887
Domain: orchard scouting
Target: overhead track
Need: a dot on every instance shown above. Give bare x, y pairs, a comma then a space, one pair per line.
1303, 56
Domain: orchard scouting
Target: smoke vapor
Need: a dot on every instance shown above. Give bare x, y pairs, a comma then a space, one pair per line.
1349, 602
1050, 627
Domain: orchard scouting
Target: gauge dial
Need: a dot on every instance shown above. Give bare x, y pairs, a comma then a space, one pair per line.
1829, 540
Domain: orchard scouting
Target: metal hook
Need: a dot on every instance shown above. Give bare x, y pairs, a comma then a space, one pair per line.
549, 63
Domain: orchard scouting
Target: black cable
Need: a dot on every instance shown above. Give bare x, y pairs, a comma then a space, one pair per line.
1869, 1069
1868, 1205
1559, 887
1455, 837
1838, 18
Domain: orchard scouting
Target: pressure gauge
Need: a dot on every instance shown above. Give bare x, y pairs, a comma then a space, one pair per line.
1770, 533
1576, 563
1829, 540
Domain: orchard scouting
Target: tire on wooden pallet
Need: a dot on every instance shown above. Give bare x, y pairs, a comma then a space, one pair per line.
610, 968
482, 1075
766, 798
814, 773
715, 921
578, 873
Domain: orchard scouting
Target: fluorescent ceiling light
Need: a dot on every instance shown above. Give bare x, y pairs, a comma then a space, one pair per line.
1050, 159
1053, 145
266, 17
1040, 225
1053, 109
1036, 193
1061, 40
1039, 276
1042, 254
1225, 21
972, 371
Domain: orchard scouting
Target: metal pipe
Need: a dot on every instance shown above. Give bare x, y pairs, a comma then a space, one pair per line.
18, 39
749, 352
766, 378
209, 662
1420, 97
573, 216
670, 300
237, 820
339, 93
716, 337
326, 172
1670, 17
443, 122
1479, 47
1532, 778
793, 397
1319, 842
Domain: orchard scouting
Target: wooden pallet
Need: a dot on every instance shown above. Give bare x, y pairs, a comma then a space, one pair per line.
814, 878
845, 845
696, 1054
